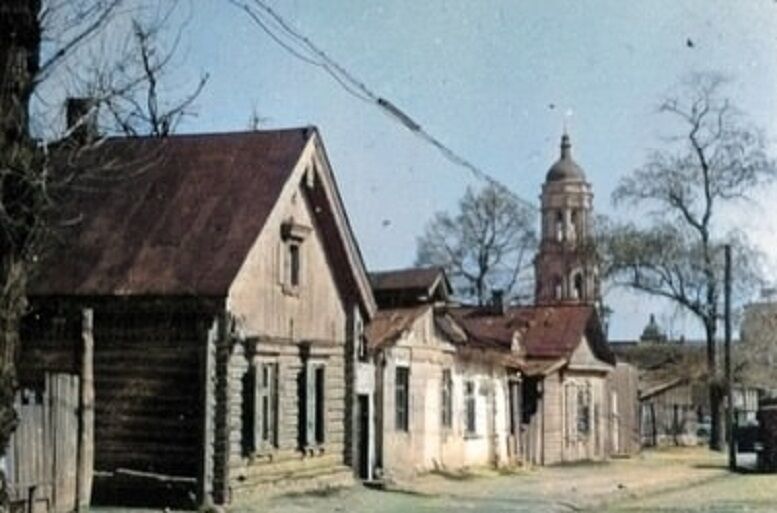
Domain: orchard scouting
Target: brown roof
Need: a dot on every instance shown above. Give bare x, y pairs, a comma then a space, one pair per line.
545, 332
422, 278
389, 324
180, 220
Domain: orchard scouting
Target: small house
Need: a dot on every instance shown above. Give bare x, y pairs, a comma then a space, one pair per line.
442, 397
572, 407
227, 296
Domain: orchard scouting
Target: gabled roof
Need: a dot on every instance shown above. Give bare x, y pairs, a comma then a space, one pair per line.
388, 325
178, 215
405, 287
544, 332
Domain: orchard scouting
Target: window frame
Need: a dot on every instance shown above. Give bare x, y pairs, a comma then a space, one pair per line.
402, 398
470, 408
446, 399
583, 414
312, 405
261, 431
292, 256
266, 409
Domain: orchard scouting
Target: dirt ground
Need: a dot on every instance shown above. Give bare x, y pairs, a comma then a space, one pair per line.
669, 481
684, 480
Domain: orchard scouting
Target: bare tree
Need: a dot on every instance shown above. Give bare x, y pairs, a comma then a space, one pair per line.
755, 358
486, 245
133, 89
714, 158
40, 40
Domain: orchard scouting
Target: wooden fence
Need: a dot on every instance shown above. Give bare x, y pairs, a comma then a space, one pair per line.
43, 456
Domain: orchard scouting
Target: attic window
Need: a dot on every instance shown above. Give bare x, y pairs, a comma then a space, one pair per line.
291, 255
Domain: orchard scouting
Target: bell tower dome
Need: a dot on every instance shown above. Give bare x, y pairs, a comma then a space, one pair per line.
565, 268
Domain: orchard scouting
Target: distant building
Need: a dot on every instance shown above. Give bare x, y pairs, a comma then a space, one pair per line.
674, 390
537, 384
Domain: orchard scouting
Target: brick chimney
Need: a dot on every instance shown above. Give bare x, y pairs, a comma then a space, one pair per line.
498, 302
81, 119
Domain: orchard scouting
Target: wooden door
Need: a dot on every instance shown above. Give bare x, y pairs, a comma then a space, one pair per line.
42, 462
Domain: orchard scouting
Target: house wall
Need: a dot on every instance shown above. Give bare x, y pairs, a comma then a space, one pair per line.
292, 329
623, 387
565, 437
147, 390
427, 444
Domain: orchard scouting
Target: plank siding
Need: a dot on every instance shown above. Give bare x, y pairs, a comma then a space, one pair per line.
289, 329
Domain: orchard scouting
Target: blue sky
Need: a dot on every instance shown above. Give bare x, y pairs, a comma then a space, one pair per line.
482, 76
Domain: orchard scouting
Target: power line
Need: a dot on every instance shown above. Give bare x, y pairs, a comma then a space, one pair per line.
301, 47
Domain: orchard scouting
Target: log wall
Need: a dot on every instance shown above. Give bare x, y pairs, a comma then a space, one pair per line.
148, 391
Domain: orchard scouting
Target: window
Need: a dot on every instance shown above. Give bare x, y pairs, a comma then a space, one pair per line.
361, 341
291, 255
558, 287
583, 410
559, 226
267, 399
578, 286
447, 399
401, 398
291, 275
294, 265
470, 407
320, 411
260, 408
313, 406
573, 225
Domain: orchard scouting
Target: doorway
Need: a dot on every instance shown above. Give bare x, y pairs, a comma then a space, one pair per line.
364, 436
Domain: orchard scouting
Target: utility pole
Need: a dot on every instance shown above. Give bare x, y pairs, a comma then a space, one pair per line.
732, 450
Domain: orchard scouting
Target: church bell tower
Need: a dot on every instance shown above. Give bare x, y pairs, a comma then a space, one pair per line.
565, 268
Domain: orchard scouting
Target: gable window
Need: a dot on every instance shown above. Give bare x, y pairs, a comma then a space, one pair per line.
402, 398
294, 264
291, 256
470, 408
447, 399
313, 406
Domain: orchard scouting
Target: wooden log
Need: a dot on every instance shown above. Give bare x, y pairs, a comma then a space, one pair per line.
85, 469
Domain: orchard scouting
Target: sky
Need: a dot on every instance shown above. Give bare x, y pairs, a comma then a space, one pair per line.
495, 81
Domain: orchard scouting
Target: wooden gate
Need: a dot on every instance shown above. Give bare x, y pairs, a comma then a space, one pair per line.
42, 459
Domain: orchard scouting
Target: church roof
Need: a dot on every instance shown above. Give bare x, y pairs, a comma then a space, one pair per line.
565, 169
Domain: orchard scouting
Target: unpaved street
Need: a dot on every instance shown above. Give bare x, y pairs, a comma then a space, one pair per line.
688, 480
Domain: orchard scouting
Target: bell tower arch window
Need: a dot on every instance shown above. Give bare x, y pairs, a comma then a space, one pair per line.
577, 285
558, 287
573, 225
559, 226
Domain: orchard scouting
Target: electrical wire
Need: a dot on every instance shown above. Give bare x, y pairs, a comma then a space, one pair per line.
305, 50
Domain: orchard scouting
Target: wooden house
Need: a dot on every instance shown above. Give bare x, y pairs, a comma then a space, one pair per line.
442, 397
228, 297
